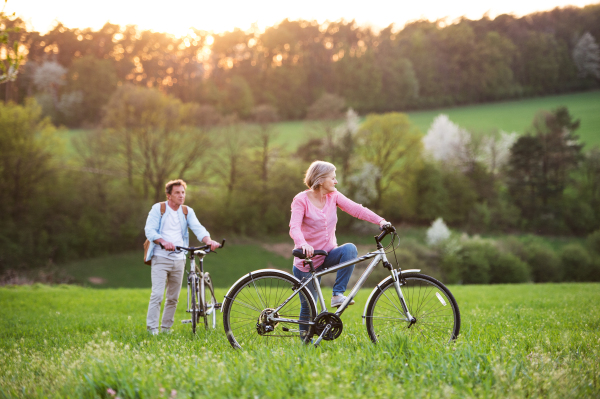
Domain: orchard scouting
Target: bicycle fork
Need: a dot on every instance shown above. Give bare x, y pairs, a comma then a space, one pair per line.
396, 277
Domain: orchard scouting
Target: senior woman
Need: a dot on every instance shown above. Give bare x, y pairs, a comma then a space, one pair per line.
312, 226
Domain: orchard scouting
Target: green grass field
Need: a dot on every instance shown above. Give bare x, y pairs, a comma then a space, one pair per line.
518, 115
516, 341
509, 116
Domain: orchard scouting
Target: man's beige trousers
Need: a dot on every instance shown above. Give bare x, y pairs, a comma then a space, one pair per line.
169, 273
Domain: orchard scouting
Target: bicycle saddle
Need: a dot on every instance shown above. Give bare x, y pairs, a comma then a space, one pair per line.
299, 254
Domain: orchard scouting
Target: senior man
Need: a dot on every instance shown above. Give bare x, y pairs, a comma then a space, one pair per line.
170, 229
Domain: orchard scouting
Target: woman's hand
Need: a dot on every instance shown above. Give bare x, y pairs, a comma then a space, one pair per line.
383, 223
308, 250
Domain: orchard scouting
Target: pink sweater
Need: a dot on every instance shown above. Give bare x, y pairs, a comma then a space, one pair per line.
316, 227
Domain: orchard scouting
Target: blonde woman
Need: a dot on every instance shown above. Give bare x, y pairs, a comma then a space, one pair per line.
313, 225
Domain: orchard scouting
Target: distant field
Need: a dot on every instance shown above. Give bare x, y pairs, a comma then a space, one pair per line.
516, 341
508, 116
517, 115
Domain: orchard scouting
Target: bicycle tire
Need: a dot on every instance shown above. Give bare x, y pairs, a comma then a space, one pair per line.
194, 312
428, 300
209, 298
255, 294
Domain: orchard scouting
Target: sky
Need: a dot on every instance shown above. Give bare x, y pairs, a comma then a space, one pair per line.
178, 16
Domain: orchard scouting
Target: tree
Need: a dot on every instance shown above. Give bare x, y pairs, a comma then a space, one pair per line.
153, 141
328, 109
265, 116
48, 78
541, 161
9, 46
392, 145
586, 56
27, 174
96, 80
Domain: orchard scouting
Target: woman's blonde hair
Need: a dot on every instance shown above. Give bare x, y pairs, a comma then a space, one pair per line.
317, 171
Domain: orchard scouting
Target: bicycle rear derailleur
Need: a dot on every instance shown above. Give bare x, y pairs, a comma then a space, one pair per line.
331, 319
264, 326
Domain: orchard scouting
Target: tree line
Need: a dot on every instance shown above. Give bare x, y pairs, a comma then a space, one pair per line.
72, 72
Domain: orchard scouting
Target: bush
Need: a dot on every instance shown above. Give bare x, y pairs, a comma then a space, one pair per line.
470, 263
544, 263
593, 242
577, 263
507, 268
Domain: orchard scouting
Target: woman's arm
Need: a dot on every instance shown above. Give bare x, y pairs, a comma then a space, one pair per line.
298, 211
357, 210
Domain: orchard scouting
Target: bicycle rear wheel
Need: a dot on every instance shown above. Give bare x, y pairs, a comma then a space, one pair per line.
428, 301
209, 301
249, 303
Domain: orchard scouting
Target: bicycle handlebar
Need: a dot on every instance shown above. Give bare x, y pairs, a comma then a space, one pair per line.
205, 248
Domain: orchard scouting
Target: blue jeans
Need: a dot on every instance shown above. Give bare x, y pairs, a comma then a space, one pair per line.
337, 255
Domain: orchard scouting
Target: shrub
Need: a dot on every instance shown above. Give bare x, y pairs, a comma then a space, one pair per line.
593, 242
577, 263
544, 263
507, 268
471, 262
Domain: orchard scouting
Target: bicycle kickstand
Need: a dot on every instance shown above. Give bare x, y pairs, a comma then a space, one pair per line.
325, 331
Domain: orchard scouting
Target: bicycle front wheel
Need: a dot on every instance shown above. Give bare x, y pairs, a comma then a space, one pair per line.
428, 301
256, 297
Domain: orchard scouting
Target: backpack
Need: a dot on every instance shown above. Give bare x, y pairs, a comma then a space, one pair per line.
163, 208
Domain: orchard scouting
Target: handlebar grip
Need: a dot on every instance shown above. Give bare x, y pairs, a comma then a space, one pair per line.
222, 243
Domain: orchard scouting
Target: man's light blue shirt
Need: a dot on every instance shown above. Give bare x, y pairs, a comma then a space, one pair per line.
153, 224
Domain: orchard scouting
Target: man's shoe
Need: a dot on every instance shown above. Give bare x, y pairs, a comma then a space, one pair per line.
337, 301
165, 330
153, 331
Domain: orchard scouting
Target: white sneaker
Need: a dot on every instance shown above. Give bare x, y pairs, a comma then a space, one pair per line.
153, 331
336, 301
165, 330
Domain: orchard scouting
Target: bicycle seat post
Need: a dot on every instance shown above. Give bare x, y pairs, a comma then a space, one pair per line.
309, 262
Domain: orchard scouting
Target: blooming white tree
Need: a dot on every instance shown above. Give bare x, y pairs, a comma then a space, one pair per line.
438, 232
350, 125
495, 150
447, 142
364, 183
586, 56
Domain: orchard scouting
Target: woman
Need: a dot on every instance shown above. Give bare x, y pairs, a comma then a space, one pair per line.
312, 226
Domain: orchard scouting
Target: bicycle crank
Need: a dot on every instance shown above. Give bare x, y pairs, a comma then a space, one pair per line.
328, 326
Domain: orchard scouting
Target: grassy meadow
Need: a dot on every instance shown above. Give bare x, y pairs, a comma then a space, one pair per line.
516, 341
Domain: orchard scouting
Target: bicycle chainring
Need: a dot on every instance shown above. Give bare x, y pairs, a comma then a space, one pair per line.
322, 320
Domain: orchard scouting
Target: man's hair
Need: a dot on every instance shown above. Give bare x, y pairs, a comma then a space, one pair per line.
169, 185
316, 172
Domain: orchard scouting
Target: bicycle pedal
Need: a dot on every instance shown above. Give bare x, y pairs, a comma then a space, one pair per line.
186, 321
218, 305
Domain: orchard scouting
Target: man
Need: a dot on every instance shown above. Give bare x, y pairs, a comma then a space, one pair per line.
170, 230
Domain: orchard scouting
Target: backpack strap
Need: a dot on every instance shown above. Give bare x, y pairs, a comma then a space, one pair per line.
163, 208
185, 211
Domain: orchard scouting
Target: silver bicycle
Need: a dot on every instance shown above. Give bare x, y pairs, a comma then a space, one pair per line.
265, 305
201, 300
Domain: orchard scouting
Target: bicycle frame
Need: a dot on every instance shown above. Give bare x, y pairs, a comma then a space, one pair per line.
378, 255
